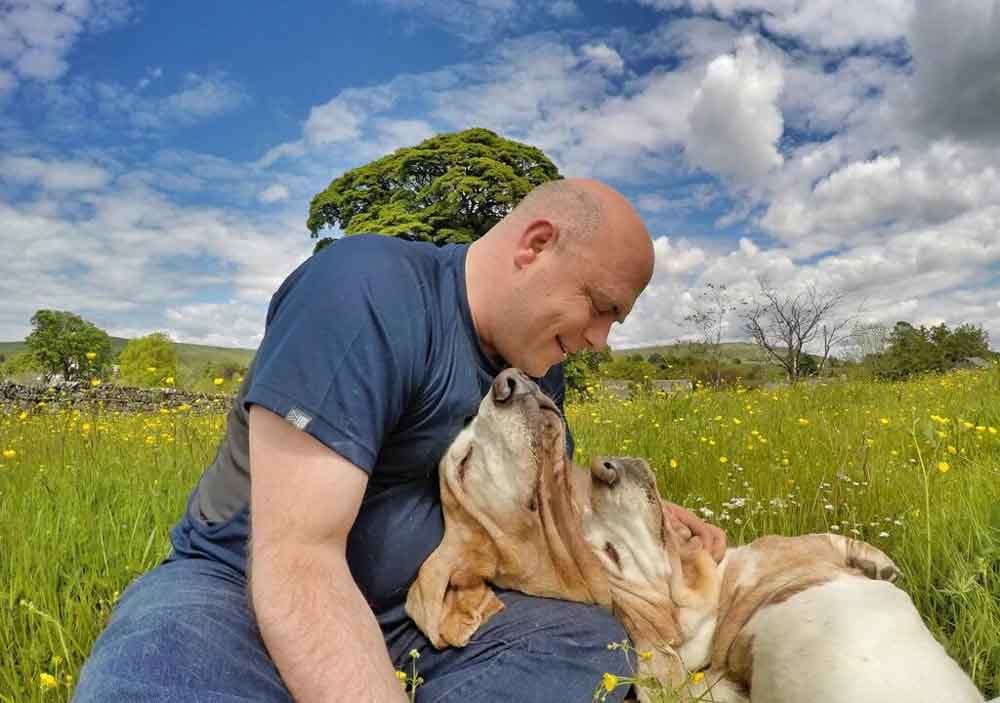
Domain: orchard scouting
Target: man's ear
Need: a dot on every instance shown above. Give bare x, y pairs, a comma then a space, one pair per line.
539, 234
449, 602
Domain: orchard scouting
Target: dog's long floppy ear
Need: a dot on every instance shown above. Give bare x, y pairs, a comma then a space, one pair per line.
449, 601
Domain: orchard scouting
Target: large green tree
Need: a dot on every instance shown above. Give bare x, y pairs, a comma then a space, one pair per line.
62, 342
449, 188
149, 361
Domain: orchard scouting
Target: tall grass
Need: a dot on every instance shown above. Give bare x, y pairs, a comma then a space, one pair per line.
86, 499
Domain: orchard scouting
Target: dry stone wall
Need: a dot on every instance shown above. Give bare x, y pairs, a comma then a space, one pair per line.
111, 397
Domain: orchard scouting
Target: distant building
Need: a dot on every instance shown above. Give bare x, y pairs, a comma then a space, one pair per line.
617, 387
673, 385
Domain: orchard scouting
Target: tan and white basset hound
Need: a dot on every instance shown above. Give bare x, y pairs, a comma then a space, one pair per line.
806, 619
783, 620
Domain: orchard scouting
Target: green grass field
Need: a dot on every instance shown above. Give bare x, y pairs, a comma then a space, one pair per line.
86, 499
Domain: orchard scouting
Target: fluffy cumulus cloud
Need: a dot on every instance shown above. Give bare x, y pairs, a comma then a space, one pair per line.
37, 35
838, 143
735, 122
130, 252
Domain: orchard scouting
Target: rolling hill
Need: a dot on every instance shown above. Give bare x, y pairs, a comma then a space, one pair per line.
189, 355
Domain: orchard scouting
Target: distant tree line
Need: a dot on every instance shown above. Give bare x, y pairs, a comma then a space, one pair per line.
911, 350
64, 346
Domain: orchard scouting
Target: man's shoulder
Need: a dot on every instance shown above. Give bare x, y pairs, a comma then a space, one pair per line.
383, 248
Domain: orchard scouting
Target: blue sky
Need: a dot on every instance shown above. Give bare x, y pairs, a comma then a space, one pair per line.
157, 159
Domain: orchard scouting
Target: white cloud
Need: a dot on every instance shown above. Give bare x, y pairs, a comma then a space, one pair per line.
205, 96
53, 175
829, 24
676, 259
274, 193
894, 192
81, 107
228, 324
604, 56
563, 9
36, 36
135, 254
734, 121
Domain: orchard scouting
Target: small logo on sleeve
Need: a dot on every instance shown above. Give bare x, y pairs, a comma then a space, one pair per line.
298, 418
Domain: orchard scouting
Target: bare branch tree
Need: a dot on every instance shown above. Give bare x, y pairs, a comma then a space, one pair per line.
867, 343
709, 312
784, 324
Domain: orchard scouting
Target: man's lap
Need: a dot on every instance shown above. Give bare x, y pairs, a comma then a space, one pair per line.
184, 632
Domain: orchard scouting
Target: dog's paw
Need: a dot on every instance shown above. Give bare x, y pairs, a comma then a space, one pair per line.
873, 563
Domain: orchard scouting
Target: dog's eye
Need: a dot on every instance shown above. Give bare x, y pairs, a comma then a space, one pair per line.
610, 550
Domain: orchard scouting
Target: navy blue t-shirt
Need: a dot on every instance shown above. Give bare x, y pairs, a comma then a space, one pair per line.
369, 347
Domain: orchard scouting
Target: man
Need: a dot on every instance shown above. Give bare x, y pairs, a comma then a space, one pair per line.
376, 352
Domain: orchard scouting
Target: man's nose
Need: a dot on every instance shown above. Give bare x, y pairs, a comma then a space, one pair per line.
597, 333
509, 384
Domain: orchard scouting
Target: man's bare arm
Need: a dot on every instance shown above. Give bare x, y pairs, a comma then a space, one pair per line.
317, 627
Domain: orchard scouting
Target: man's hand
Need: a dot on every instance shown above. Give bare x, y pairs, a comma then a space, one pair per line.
688, 525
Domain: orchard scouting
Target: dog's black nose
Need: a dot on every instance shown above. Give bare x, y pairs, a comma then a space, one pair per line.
509, 384
605, 470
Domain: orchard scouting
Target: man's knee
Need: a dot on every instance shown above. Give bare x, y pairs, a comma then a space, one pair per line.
183, 630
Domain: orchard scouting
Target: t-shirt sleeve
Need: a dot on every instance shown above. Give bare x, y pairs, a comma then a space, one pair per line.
339, 355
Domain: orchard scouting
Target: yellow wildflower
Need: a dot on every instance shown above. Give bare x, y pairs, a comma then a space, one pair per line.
151, 369
723, 460
610, 682
943, 466
884, 420
646, 656
9, 453
697, 677
23, 415
95, 382
952, 450
218, 381
169, 380
91, 355
47, 681
803, 421
673, 463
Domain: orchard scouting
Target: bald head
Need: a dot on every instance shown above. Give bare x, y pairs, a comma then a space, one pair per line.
554, 275
583, 210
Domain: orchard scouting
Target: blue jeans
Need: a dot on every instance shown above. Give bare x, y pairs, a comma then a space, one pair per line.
183, 632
